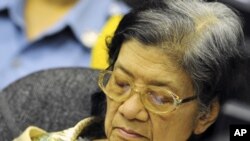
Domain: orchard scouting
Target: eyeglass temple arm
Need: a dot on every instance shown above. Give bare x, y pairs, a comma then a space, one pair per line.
189, 99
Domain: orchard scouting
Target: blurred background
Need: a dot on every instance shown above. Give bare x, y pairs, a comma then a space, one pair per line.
38, 35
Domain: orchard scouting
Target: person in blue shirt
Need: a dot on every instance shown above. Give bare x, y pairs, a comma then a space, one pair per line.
43, 34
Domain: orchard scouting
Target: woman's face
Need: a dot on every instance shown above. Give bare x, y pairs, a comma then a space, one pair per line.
130, 120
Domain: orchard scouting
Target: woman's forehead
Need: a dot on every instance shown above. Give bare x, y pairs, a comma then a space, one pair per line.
151, 56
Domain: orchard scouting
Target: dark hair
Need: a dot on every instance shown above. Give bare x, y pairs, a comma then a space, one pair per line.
203, 38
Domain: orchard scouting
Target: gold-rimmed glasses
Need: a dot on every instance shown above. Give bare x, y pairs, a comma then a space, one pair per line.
155, 99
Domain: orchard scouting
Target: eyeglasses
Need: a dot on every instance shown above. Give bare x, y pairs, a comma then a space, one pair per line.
155, 99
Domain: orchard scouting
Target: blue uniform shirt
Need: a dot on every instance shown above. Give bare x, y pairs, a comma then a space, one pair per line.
60, 46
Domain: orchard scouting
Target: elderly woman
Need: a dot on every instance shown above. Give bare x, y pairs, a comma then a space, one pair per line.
169, 66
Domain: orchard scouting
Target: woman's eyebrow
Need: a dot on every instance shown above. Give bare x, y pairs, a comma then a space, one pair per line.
159, 83
151, 82
119, 66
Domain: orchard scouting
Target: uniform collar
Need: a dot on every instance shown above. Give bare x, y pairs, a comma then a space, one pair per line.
86, 16
3, 4
15, 10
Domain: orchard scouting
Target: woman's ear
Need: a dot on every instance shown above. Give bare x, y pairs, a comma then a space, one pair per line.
206, 119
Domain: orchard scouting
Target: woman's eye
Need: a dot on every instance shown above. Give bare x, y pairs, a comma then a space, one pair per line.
124, 86
121, 84
160, 99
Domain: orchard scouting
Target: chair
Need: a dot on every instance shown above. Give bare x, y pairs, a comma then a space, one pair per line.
52, 99
57, 99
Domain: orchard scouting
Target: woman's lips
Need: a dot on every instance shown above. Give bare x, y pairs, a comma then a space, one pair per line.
129, 133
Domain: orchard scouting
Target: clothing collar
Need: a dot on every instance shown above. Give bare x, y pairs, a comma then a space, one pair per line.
3, 4
86, 16
15, 9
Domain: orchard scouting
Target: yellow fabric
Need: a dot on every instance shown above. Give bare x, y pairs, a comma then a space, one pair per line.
36, 134
29, 133
99, 55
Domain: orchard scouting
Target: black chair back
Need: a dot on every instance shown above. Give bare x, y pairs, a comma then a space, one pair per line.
52, 99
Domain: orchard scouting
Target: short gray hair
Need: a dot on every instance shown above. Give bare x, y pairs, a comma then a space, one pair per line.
203, 38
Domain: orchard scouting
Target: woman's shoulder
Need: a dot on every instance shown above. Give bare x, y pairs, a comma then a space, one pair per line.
36, 134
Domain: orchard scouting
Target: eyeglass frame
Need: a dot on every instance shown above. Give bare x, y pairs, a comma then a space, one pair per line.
177, 100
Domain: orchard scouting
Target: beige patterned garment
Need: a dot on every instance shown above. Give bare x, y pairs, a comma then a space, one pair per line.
71, 134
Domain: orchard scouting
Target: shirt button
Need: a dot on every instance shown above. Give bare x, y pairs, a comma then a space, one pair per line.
89, 38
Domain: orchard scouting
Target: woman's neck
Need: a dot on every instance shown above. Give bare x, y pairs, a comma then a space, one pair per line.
42, 14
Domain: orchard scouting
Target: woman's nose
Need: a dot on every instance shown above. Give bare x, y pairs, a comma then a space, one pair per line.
133, 108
